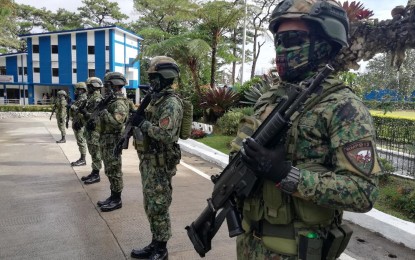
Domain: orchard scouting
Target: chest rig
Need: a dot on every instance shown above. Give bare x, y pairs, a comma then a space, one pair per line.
277, 218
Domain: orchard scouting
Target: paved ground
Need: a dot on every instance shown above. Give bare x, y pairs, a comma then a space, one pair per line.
47, 212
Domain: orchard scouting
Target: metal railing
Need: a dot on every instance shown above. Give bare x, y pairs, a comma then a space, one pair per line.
397, 144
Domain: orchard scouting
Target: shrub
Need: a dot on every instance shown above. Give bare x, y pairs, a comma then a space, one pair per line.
216, 101
228, 123
27, 108
197, 134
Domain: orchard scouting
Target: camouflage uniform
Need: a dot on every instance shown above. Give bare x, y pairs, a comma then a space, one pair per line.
92, 137
76, 116
158, 159
111, 124
330, 145
155, 139
61, 104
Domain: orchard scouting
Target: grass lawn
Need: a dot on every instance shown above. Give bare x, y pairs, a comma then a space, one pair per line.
408, 114
389, 190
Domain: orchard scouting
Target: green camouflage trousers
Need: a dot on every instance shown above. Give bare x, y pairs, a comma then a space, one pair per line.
95, 153
112, 165
248, 247
157, 195
80, 139
61, 125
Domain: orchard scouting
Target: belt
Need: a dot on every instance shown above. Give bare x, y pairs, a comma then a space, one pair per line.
264, 228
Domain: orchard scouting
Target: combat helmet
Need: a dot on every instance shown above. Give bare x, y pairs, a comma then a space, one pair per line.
80, 85
62, 92
116, 79
165, 66
328, 15
94, 82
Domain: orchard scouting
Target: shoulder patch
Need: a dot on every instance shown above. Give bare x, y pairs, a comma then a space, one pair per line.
164, 122
360, 155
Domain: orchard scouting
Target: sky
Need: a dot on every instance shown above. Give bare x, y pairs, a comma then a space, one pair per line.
380, 8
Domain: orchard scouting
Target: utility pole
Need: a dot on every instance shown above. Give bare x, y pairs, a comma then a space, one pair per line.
243, 44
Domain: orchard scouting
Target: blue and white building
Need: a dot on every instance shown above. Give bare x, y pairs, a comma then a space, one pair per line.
58, 60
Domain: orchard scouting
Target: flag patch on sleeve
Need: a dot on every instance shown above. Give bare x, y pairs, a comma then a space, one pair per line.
360, 155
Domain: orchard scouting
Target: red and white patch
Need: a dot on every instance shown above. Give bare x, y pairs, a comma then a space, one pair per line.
360, 155
164, 122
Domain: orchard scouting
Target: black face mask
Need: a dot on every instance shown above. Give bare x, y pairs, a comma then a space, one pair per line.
156, 82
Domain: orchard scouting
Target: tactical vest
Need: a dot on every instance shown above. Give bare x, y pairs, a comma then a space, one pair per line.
280, 217
160, 154
115, 129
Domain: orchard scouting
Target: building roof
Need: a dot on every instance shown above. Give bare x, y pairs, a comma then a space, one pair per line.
83, 30
13, 54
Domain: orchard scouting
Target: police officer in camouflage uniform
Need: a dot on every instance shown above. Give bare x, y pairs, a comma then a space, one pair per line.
155, 139
328, 162
77, 125
61, 104
94, 86
110, 126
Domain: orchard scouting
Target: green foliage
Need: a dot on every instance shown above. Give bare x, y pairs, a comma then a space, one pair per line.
389, 106
259, 87
216, 101
28, 108
229, 122
101, 13
397, 130
219, 142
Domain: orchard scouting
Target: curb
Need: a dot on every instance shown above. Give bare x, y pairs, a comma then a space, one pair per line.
392, 228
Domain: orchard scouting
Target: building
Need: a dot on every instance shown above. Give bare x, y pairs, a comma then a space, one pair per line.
58, 60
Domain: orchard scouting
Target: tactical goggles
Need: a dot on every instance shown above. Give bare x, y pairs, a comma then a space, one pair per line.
290, 39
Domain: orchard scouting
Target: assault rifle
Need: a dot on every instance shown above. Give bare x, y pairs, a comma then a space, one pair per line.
77, 123
91, 123
236, 181
53, 110
68, 108
125, 137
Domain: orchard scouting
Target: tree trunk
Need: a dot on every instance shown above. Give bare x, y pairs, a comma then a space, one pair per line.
234, 54
367, 38
213, 65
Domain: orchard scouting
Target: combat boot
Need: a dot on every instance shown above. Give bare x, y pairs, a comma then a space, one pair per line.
145, 252
80, 162
105, 202
84, 178
114, 204
62, 141
160, 251
94, 178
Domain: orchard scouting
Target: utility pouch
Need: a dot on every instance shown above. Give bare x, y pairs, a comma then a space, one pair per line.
309, 248
336, 242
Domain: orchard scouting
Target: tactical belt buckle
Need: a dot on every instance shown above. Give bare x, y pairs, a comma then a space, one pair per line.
255, 235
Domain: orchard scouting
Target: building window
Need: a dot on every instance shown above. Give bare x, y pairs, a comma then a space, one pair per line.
20, 70
55, 72
35, 48
54, 48
73, 47
91, 73
25, 70
73, 70
36, 70
91, 49
107, 48
2, 70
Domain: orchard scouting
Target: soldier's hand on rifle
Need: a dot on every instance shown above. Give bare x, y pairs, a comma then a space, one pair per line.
268, 163
67, 124
90, 125
137, 120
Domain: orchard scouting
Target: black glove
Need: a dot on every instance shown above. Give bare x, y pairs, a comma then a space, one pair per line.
67, 124
83, 111
266, 163
137, 120
61, 121
90, 125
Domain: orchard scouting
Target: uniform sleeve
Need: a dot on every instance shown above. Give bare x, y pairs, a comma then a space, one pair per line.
117, 117
350, 182
168, 124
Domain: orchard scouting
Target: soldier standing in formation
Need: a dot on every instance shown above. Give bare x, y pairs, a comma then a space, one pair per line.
110, 125
159, 153
77, 126
94, 86
307, 182
61, 104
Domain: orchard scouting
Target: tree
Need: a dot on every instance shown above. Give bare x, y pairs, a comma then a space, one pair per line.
216, 17
8, 39
259, 15
101, 13
62, 20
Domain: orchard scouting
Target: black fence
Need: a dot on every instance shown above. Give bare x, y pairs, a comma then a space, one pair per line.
396, 143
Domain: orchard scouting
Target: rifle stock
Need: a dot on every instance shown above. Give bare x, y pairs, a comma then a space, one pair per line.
126, 134
236, 181
53, 111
